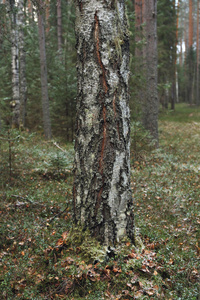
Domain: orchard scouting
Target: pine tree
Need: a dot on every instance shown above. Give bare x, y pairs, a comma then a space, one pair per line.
43, 66
150, 101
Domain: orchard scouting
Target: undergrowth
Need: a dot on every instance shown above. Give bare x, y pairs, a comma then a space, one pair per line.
43, 256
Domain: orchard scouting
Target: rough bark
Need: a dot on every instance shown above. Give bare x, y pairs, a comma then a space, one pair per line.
150, 101
102, 194
15, 103
43, 68
22, 60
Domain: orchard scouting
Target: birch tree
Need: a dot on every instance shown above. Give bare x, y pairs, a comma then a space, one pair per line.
101, 194
15, 103
22, 61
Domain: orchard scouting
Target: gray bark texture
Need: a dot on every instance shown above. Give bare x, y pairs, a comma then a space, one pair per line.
150, 101
43, 68
15, 103
22, 61
102, 193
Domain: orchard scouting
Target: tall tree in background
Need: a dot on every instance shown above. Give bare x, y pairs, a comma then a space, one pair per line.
22, 63
59, 25
190, 54
198, 54
47, 14
43, 68
15, 103
102, 194
138, 27
150, 102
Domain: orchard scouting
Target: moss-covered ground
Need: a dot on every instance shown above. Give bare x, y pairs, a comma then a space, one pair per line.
43, 256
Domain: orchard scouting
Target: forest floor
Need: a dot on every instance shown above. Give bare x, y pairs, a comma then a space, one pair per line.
42, 256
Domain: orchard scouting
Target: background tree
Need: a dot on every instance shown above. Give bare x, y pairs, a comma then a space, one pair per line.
43, 66
15, 103
198, 55
102, 195
59, 25
150, 101
22, 63
166, 52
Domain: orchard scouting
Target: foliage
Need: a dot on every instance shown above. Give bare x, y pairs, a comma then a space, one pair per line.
141, 140
42, 256
166, 30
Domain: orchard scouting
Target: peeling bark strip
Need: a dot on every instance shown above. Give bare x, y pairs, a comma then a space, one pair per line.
102, 195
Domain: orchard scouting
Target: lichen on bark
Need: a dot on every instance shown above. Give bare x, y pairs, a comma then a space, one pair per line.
102, 194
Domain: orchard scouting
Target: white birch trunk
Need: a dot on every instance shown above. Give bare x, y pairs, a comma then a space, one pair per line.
102, 194
15, 103
22, 61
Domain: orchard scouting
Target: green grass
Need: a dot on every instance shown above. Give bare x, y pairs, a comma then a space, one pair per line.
42, 256
183, 113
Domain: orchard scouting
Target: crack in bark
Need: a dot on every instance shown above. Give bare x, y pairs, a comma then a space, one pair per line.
96, 35
101, 159
80, 5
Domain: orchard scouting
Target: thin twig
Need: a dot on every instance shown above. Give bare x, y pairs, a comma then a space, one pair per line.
55, 144
26, 199
58, 214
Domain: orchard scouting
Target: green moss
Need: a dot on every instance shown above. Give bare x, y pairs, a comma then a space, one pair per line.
90, 248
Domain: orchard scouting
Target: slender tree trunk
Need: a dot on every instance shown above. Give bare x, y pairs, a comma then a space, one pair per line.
47, 15
190, 53
138, 27
190, 24
198, 56
22, 59
59, 25
15, 103
150, 104
30, 10
43, 68
176, 73
102, 194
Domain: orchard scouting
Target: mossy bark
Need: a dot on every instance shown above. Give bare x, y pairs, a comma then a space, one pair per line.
102, 194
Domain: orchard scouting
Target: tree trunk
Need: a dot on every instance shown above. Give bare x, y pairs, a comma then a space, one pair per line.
22, 59
138, 27
43, 68
190, 53
15, 103
198, 57
47, 14
150, 104
102, 194
190, 24
59, 25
